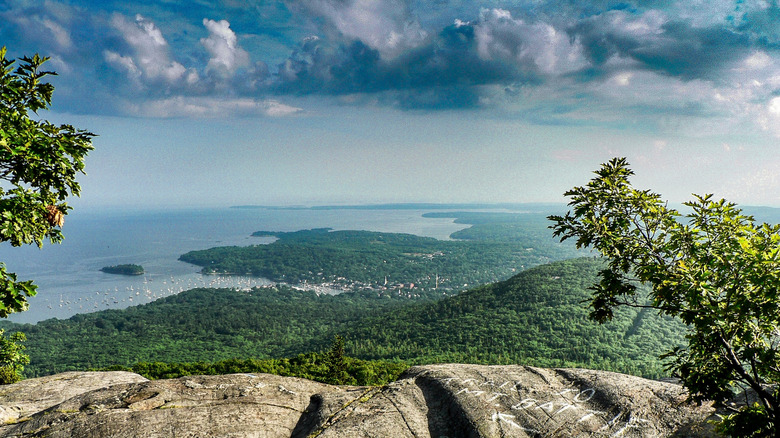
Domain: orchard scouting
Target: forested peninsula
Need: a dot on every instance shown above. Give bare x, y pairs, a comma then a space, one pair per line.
495, 247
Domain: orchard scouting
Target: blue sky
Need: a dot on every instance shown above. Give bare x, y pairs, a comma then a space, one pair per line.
356, 101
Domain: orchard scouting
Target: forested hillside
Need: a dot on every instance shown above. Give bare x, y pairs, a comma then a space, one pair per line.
534, 318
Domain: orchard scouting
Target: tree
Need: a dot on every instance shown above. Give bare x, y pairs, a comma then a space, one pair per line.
714, 268
39, 162
336, 363
12, 357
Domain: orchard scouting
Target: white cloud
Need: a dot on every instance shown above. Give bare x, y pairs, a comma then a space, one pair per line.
768, 116
60, 65
756, 61
774, 106
47, 32
151, 53
646, 25
539, 46
275, 108
222, 45
124, 63
622, 78
210, 107
702, 13
386, 26
60, 34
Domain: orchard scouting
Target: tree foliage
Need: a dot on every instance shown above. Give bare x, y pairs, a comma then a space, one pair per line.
12, 357
39, 162
312, 366
336, 363
713, 267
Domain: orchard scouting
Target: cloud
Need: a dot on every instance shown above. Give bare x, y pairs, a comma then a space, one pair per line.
592, 61
46, 25
145, 57
60, 34
385, 26
445, 72
210, 107
538, 47
774, 106
222, 45
659, 44
760, 20
123, 63
151, 55
768, 116
756, 61
274, 108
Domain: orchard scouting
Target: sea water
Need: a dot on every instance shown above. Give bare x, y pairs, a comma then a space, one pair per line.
70, 281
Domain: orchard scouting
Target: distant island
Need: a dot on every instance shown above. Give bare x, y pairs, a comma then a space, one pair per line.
123, 269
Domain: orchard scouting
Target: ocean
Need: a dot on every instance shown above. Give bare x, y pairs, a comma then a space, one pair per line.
70, 281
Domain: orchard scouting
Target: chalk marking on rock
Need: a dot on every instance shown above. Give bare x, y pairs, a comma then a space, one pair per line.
496, 395
611, 422
590, 413
589, 390
283, 389
524, 404
508, 419
631, 424
476, 392
565, 408
549, 406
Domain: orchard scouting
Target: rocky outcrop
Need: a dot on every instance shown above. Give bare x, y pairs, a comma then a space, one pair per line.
428, 401
23, 399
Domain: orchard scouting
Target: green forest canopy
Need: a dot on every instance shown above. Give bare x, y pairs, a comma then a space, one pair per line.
534, 318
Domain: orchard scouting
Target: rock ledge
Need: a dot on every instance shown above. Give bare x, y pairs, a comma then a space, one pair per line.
427, 401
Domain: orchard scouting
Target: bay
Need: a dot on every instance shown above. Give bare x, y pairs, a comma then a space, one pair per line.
70, 281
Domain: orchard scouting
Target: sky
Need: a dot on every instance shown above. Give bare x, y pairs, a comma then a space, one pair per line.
219, 103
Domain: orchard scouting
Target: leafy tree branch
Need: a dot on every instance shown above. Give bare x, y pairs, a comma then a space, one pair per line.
39, 162
714, 268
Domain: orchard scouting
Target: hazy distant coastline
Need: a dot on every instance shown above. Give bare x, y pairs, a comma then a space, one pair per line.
536, 207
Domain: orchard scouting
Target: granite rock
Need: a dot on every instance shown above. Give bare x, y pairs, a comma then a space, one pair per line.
436, 401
